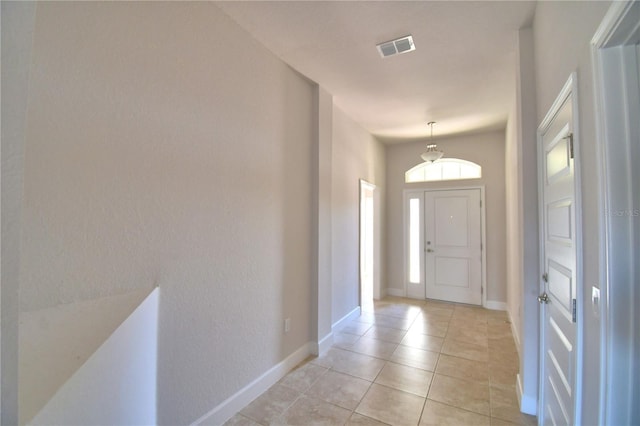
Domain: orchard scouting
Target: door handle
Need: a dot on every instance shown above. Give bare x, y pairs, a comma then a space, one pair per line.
430, 251
543, 298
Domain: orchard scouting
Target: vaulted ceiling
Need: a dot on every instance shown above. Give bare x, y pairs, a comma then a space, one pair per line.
461, 75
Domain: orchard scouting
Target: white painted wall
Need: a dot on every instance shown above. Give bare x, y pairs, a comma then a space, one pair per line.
55, 342
562, 35
513, 215
321, 221
17, 32
166, 147
356, 155
522, 221
117, 384
486, 149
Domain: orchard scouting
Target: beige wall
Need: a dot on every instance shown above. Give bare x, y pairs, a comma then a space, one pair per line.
562, 35
17, 31
166, 147
486, 149
513, 224
321, 321
522, 221
356, 155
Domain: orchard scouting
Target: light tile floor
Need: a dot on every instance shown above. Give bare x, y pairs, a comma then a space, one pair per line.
403, 362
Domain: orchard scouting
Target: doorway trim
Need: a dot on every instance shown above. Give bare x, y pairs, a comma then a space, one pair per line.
615, 58
375, 275
405, 242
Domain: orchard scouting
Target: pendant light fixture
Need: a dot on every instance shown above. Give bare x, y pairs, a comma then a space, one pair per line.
432, 153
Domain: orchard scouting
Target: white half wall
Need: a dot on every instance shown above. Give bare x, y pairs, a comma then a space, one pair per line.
55, 342
117, 384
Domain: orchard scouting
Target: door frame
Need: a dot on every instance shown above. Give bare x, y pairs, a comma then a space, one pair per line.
363, 184
616, 92
406, 193
570, 88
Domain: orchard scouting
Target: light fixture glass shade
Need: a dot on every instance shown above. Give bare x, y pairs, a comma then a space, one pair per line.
432, 154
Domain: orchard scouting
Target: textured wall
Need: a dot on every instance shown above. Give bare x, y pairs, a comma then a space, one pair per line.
522, 220
513, 214
18, 20
356, 155
166, 147
321, 219
486, 149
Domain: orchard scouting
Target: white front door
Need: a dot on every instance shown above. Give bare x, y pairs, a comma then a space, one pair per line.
453, 262
444, 245
559, 370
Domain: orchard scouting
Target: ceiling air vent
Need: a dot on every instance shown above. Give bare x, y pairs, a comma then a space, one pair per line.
396, 47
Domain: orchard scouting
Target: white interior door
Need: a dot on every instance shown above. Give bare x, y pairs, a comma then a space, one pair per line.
453, 251
559, 279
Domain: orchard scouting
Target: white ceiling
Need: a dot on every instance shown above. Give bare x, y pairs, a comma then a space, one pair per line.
461, 75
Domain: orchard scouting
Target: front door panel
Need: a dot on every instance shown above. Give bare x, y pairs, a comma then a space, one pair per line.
453, 254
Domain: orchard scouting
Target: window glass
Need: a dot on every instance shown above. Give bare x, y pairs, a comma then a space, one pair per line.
444, 169
414, 240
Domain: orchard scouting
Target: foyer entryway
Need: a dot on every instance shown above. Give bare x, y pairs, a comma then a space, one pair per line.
444, 245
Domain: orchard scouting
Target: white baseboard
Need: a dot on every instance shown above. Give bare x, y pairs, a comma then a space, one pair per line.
397, 292
528, 405
519, 389
342, 322
323, 345
495, 305
227, 409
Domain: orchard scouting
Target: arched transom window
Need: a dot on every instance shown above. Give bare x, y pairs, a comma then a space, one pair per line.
444, 169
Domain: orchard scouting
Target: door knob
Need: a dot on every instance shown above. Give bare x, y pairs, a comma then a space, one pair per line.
430, 251
543, 298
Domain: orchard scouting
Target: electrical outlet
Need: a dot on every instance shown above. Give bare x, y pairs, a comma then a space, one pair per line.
287, 325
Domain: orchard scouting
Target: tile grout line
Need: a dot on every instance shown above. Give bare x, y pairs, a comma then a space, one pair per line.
464, 315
